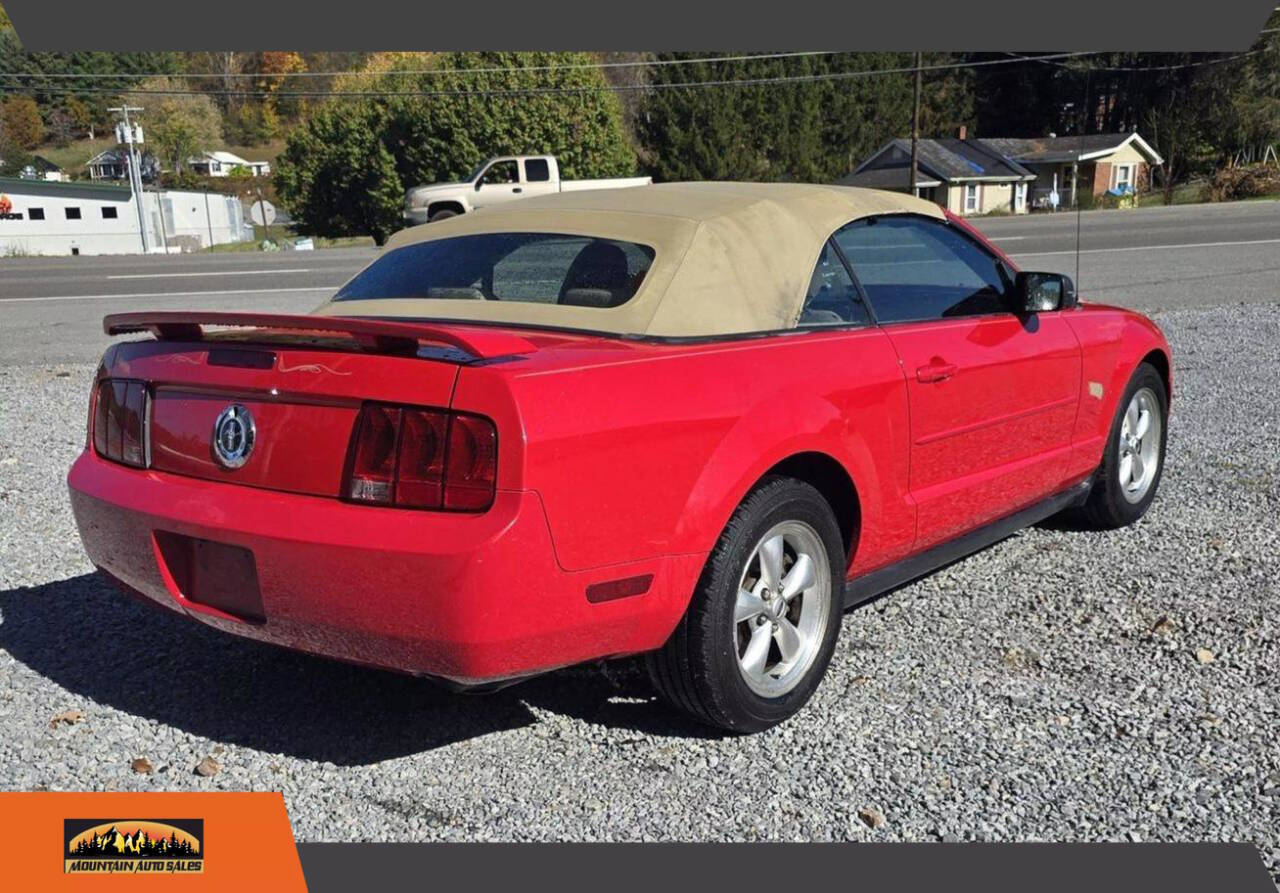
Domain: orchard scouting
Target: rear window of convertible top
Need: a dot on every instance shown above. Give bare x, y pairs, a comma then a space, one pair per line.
544, 268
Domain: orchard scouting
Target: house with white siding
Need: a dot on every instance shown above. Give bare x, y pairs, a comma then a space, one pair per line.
222, 164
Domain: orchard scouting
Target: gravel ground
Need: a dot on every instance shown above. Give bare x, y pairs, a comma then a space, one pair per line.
1060, 685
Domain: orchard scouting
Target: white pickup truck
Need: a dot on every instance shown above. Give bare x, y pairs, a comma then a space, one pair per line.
499, 180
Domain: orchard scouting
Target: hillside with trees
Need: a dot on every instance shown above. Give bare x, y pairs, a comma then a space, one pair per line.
348, 132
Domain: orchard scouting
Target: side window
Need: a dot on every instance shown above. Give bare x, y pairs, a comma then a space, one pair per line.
914, 268
501, 172
536, 170
833, 299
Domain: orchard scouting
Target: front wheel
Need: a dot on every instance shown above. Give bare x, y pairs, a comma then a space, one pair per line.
1134, 459
761, 627
442, 214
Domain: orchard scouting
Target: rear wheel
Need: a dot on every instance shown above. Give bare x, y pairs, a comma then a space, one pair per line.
1134, 457
759, 632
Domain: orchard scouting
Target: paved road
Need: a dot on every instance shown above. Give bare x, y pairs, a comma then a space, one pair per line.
1151, 259
1155, 258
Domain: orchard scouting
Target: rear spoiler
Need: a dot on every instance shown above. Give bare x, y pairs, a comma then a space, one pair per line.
373, 335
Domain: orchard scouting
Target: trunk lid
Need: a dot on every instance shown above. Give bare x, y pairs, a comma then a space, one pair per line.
300, 379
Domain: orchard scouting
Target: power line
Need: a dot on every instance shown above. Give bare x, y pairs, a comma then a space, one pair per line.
538, 91
571, 66
1049, 60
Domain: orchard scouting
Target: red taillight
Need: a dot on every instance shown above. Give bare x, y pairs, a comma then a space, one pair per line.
119, 421
472, 467
422, 458
420, 464
373, 467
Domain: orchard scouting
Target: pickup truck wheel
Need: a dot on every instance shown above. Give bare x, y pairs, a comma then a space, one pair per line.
442, 214
761, 627
1134, 458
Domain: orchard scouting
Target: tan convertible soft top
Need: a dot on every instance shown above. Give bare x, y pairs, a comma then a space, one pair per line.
729, 257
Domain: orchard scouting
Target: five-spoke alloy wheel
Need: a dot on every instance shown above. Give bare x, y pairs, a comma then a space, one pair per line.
1134, 457
1140, 442
759, 632
782, 611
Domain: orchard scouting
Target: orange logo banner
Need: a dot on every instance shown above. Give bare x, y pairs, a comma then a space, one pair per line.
197, 841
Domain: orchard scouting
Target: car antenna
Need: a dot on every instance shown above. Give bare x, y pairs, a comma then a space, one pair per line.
1084, 105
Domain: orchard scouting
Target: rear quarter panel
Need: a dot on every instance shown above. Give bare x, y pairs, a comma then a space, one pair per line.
641, 449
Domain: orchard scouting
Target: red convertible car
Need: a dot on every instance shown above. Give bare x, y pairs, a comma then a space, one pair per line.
691, 421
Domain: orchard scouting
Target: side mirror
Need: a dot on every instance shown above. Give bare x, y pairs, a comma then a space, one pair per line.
479, 183
1042, 292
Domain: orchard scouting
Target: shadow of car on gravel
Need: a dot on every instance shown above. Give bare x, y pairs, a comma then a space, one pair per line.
89, 638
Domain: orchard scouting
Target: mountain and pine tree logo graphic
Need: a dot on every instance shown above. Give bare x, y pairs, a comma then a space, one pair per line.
133, 846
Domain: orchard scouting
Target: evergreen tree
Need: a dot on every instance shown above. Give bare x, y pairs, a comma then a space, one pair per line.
344, 170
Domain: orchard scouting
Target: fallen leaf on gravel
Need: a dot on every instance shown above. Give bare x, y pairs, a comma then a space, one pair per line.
1204, 655
1163, 627
142, 765
69, 717
871, 817
1021, 657
208, 767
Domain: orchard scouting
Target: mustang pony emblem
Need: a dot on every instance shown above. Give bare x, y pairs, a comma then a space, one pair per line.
233, 436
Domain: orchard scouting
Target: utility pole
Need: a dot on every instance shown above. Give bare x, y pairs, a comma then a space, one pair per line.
135, 168
915, 133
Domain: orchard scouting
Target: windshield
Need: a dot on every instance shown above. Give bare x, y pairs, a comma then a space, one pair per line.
543, 268
477, 170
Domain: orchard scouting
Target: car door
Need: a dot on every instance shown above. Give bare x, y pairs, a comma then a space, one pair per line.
992, 394
537, 177
498, 183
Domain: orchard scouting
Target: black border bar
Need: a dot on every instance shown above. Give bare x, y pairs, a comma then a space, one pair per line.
929, 25
622, 867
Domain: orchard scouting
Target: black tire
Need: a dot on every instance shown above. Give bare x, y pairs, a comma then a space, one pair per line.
442, 214
1106, 507
697, 670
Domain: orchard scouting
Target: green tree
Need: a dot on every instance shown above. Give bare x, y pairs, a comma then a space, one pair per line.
13, 158
338, 177
22, 123
176, 126
488, 104
813, 129
80, 113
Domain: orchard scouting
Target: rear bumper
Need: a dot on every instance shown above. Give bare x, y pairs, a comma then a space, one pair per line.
469, 598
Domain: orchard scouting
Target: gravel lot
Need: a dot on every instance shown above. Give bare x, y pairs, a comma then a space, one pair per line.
1051, 687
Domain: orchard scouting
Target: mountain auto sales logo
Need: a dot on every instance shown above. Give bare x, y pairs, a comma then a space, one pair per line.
6, 209
133, 846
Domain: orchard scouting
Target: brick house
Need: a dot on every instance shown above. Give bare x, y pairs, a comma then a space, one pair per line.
978, 176
1094, 164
